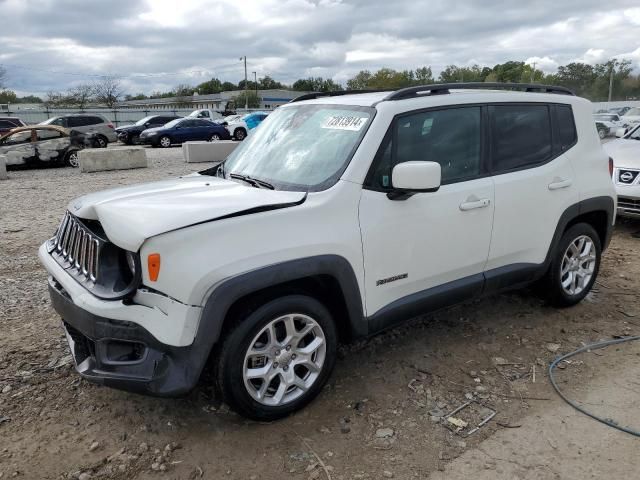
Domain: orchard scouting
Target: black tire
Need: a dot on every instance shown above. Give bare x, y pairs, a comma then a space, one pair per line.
101, 141
133, 139
71, 159
215, 137
552, 282
240, 134
163, 143
602, 133
231, 358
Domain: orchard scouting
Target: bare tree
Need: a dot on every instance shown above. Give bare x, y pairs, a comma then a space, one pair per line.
54, 99
3, 77
108, 91
80, 95
183, 93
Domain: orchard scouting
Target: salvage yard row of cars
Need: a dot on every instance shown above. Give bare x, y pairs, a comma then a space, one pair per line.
616, 121
57, 140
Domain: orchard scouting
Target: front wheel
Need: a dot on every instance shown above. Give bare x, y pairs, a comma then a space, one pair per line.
164, 141
215, 137
101, 141
574, 267
602, 133
278, 358
240, 134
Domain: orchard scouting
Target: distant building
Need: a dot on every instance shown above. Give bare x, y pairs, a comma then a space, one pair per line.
269, 99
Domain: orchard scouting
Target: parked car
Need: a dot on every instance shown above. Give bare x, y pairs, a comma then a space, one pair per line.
228, 119
85, 123
9, 123
603, 130
42, 144
206, 114
183, 130
625, 153
337, 218
619, 110
240, 127
130, 134
610, 120
631, 116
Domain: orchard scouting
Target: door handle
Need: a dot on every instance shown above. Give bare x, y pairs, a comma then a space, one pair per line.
473, 204
559, 183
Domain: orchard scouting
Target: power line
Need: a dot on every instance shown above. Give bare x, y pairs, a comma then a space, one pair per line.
131, 75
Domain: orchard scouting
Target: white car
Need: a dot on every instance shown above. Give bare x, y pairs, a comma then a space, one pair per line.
632, 116
342, 215
610, 120
206, 114
240, 127
625, 153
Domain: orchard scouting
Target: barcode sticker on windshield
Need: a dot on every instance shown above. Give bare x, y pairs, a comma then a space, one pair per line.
344, 123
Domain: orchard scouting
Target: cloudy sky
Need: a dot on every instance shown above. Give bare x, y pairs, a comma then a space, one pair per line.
157, 44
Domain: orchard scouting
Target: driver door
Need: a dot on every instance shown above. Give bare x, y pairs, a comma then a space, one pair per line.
19, 148
428, 250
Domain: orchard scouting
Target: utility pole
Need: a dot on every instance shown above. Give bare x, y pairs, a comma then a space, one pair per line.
533, 72
255, 81
246, 95
610, 83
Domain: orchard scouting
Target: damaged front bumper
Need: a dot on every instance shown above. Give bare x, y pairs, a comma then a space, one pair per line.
110, 349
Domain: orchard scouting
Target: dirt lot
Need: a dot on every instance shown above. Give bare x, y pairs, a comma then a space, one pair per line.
380, 415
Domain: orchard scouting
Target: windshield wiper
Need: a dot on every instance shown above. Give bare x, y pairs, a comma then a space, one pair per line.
254, 182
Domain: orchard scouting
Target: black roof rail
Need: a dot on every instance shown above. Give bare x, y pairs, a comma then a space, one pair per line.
443, 88
314, 95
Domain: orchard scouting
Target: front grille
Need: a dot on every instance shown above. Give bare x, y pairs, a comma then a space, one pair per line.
629, 203
627, 177
77, 248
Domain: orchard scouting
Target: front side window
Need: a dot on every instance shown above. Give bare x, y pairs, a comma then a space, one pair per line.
520, 136
302, 147
18, 138
450, 137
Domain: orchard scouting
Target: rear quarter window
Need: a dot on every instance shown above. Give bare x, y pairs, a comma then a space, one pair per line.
565, 126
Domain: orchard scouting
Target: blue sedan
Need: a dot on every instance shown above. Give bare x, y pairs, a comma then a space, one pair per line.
184, 130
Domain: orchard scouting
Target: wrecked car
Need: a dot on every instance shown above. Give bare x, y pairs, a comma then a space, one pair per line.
45, 144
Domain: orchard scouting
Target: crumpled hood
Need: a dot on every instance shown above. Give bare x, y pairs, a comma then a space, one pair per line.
130, 215
625, 152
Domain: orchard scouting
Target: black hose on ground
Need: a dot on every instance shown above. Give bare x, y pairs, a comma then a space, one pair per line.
593, 346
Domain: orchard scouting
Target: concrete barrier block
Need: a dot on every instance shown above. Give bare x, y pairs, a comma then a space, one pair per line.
118, 158
213, 152
3, 168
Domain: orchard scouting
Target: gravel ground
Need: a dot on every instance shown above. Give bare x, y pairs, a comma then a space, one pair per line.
379, 416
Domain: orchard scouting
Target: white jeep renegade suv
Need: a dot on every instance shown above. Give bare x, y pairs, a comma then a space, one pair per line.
342, 215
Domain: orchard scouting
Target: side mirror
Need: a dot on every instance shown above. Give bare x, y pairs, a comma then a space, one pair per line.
408, 178
621, 132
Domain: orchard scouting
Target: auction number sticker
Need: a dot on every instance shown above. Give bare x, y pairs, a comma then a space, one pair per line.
339, 122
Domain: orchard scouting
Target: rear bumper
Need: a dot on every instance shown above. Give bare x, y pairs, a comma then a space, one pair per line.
122, 354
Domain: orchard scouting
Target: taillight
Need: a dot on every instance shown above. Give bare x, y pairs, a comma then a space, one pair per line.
611, 167
110, 125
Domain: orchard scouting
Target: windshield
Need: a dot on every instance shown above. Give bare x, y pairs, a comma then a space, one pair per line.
633, 111
304, 147
143, 121
634, 134
173, 123
48, 121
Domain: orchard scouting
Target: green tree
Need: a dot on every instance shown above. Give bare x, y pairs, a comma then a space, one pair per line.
253, 100
8, 96
316, 84
228, 86
268, 83
210, 86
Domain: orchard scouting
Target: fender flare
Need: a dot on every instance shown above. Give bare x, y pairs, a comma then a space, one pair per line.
229, 291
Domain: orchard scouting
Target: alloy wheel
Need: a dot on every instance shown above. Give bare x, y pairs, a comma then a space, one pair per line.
284, 359
578, 265
165, 142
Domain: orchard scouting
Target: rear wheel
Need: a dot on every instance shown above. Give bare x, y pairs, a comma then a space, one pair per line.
574, 267
71, 159
278, 358
602, 133
164, 141
215, 137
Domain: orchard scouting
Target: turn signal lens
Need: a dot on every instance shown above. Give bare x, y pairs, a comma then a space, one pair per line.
611, 167
153, 263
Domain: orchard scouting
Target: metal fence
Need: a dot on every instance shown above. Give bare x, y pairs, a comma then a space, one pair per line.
119, 117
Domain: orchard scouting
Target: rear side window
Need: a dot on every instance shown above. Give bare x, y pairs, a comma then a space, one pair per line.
566, 127
93, 120
520, 136
6, 124
76, 122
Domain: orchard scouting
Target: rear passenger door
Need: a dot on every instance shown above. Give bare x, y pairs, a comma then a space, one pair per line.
531, 146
